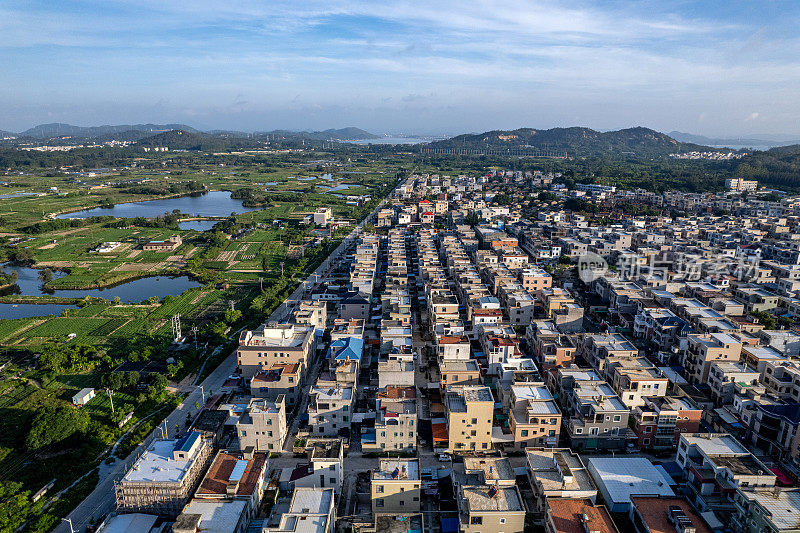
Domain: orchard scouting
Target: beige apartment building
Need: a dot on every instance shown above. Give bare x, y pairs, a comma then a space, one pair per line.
490, 508
280, 343
396, 486
535, 279
703, 349
469, 411
263, 425
396, 419
459, 372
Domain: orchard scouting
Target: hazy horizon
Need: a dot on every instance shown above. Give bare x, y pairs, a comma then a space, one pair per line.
712, 68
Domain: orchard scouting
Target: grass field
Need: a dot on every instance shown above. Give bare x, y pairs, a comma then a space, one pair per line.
141, 331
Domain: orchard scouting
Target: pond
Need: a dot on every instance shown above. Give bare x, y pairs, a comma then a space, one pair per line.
31, 310
135, 291
198, 225
212, 204
340, 187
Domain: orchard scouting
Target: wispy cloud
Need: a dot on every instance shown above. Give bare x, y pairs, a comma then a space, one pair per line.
647, 58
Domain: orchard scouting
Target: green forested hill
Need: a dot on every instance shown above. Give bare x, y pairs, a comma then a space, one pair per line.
575, 141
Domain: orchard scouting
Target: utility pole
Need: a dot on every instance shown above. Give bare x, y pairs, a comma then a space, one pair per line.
69, 521
110, 397
195, 329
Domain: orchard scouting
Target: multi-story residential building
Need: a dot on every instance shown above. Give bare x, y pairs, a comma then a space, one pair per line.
714, 464
634, 379
775, 428
396, 486
535, 279
660, 421
656, 514
597, 348
236, 476
281, 379
557, 473
469, 410
312, 313
597, 416
756, 298
459, 372
782, 378
703, 349
452, 347
396, 419
325, 465
490, 508
311, 509
281, 343
262, 425
499, 349
723, 377
534, 417
330, 410
772, 510
163, 479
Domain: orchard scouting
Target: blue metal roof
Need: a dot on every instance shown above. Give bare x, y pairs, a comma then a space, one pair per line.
238, 470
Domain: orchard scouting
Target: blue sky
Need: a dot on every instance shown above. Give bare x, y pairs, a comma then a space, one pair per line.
441, 66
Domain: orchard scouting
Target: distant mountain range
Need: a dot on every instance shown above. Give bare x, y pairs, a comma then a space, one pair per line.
573, 141
342, 134
766, 141
135, 132
46, 131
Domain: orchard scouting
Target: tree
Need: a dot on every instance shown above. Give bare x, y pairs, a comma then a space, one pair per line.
131, 379
231, 316
55, 424
46, 275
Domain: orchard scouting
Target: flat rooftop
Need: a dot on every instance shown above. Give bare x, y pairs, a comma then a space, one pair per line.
216, 516
713, 444
558, 470
493, 468
783, 507
157, 464
481, 498
624, 476
397, 469
655, 513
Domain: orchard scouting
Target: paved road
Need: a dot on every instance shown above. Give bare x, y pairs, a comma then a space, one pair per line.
102, 500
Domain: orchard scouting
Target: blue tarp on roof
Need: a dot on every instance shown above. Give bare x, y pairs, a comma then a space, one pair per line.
449, 525
185, 443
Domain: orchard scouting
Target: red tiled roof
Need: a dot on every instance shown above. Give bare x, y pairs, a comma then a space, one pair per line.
439, 432
568, 516
654, 513
216, 481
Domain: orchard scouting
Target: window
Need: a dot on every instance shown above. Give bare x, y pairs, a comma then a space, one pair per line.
379, 502
502, 520
476, 520
379, 489
524, 432
332, 467
617, 418
333, 480
402, 503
